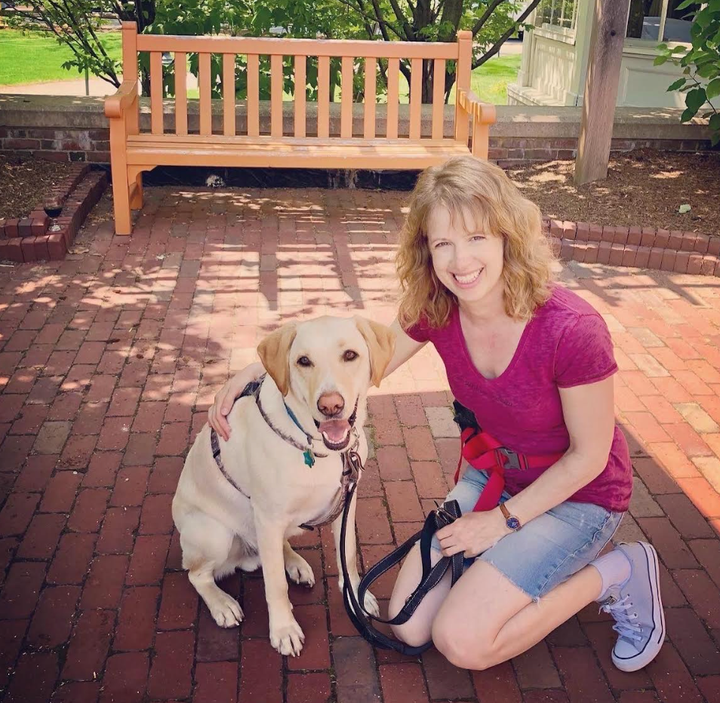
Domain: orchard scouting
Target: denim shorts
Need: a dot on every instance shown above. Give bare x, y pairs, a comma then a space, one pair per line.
547, 550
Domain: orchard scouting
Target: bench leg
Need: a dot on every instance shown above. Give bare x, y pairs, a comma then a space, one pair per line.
121, 202
119, 169
136, 202
480, 139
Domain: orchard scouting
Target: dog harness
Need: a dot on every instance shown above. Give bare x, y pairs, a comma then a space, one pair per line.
351, 461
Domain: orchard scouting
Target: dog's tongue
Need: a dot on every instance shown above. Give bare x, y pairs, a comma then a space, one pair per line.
334, 430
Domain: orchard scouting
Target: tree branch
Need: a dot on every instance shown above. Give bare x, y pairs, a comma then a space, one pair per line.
485, 16
409, 33
496, 46
384, 26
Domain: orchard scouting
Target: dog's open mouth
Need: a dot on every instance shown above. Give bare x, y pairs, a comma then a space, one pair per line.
336, 433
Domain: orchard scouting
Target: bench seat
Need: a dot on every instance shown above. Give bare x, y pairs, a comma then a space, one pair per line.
289, 152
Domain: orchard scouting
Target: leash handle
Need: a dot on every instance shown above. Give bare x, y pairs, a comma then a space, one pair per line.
360, 618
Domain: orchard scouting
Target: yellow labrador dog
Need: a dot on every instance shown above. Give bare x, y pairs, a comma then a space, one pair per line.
238, 502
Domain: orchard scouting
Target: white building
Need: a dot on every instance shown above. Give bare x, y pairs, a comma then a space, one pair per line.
555, 54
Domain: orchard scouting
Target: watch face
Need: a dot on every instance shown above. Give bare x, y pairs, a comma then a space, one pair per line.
513, 523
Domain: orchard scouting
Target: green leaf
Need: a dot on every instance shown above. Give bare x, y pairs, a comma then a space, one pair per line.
713, 89
684, 4
695, 99
660, 60
687, 115
715, 138
708, 70
677, 84
715, 122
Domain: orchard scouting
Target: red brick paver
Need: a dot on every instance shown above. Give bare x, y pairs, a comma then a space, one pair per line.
108, 363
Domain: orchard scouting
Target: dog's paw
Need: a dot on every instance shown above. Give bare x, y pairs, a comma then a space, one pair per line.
287, 639
299, 570
225, 610
371, 605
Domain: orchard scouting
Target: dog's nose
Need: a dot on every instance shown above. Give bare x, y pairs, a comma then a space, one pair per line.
330, 404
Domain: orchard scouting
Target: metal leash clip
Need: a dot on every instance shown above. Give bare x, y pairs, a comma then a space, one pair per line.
443, 514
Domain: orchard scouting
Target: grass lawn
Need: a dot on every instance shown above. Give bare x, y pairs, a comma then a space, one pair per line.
31, 58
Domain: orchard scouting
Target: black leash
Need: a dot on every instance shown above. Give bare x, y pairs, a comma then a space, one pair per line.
431, 575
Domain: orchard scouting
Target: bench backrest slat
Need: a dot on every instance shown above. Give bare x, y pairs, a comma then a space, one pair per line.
181, 93
416, 75
253, 95
276, 95
323, 108
438, 115
205, 94
346, 97
156, 92
299, 98
393, 80
228, 95
370, 97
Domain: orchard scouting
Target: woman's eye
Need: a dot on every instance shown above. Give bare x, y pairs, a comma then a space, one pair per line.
478, 237
350, 355
304, 361
439, 244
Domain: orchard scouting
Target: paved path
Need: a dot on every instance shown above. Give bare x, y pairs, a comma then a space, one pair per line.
108, 362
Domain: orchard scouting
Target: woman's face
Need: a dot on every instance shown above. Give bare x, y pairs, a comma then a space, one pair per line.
468, 262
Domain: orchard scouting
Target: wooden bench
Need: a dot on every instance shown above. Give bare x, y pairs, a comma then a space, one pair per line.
304, 146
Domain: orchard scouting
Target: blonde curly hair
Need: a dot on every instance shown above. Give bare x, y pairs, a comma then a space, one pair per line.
467, 184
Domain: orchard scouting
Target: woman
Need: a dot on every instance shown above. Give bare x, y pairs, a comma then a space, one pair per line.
534, 363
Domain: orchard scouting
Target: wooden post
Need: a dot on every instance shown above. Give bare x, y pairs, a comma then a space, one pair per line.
601, 87
463, 70
130, 70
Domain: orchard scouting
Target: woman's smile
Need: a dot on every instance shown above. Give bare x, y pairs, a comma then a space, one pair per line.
467, 280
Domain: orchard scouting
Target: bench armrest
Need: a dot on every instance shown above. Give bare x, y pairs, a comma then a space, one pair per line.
116, 104
480, 111
483, 115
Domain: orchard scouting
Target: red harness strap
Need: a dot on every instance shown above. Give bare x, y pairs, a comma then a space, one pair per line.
484, 453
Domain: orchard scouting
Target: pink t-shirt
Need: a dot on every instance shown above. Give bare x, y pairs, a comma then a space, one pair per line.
565, 344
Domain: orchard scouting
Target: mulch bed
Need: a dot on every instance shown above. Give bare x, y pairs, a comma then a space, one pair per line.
25, 183
644, 188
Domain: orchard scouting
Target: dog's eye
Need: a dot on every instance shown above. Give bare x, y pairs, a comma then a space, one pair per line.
304, 361
350, 355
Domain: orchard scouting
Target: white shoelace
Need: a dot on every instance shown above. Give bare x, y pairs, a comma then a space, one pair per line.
626, 624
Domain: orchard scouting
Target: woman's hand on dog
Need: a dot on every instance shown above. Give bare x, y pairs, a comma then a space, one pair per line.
473, 533
222, 405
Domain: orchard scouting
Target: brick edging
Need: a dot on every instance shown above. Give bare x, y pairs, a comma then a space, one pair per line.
642, 247
39, 237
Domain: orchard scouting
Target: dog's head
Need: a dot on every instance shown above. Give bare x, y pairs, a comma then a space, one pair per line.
328, 364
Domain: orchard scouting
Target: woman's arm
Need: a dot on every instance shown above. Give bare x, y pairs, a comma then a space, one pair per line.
590, 419
226, 396
405, 348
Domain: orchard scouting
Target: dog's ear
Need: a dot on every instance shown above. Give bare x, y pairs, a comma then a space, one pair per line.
273, 352
380, 341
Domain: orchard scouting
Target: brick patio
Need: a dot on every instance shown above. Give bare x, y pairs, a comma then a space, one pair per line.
108, 363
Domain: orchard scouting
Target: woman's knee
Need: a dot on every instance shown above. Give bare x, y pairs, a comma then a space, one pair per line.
462, 649
413, 634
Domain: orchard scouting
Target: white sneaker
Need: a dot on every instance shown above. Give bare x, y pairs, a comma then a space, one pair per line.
637, 609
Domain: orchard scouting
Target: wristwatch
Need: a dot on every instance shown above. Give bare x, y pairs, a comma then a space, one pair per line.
511, 521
